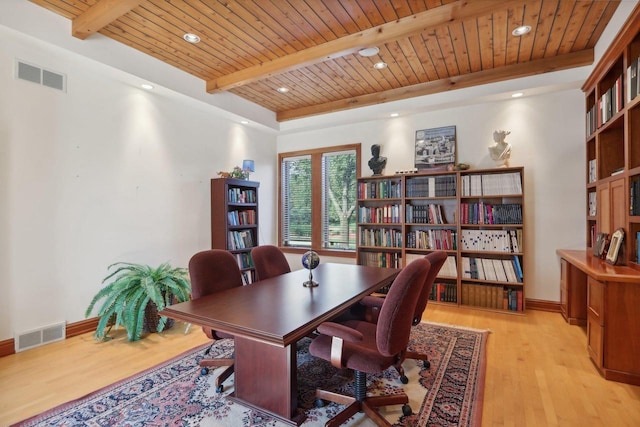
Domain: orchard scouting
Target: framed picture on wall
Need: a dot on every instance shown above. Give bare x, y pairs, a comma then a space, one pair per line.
435, 148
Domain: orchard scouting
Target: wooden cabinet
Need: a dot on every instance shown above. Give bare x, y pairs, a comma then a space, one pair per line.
476, 216
573, 294
611, 303
234, 220
612, 95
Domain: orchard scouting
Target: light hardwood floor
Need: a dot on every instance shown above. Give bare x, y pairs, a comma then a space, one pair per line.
538, 371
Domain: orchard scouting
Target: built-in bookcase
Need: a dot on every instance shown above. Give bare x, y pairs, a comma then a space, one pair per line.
476, 216
612, 102
234, 220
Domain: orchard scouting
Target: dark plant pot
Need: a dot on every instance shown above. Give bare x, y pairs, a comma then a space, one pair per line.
152, 318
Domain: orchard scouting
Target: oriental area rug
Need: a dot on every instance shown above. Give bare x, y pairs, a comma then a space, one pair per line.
174, 393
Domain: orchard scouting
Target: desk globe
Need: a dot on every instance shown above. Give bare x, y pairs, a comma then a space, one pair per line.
310, 260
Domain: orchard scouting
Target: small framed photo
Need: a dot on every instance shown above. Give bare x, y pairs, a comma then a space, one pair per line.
614, 247
601, 245
435, 148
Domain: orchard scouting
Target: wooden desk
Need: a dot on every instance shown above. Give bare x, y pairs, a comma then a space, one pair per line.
607, 299
268, 317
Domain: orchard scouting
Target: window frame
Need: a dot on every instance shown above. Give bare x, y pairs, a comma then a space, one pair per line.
316, 198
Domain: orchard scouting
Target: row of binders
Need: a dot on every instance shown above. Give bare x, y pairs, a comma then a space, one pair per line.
449, 269
492, 240
425, 214
382, 237
444, 239
379, 214
380, 189
494, 270
239, 195
487, 296
381, 259
444, 292
432, 186
492, 184
486, 213
244, 260
236, 218
240, 240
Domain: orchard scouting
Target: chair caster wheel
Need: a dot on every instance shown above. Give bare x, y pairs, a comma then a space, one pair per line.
204, 371
406, 410
404, 379
319, 403
427, 364
219, 388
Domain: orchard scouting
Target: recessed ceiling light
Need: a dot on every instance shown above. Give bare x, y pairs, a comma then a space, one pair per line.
146, 86
517, 95
521, 30
244, 122
368, 51
394, 114
283, 89
380, 65
191, 38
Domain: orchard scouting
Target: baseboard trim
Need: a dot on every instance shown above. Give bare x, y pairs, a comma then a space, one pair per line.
541, 305
7, 347
82, 327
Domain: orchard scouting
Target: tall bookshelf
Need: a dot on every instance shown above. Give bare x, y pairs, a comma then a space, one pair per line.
612, 102
234, 220
476, 216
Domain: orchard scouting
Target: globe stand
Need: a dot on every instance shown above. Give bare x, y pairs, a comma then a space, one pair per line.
310, 283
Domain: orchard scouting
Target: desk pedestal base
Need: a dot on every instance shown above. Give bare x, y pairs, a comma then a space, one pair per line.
266, 379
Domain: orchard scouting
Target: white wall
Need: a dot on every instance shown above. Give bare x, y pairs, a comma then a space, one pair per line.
105, 172
547, 137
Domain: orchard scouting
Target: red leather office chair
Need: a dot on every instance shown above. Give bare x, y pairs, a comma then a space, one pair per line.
213, 271
269, 261
373, 305
366, 347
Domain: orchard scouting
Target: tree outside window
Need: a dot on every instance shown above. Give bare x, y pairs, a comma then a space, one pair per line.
318, 199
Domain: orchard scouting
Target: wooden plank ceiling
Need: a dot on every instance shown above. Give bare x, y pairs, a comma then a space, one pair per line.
253, 47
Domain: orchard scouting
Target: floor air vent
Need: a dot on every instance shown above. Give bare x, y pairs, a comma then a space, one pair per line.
34, 74
38, 337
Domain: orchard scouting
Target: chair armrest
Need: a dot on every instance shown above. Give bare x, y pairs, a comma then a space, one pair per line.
337, 330
372, 308
372, 302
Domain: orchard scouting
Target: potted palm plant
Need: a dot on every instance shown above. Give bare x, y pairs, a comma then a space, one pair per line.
135, 290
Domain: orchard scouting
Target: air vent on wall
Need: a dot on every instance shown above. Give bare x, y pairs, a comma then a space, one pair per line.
35, 74
38, 337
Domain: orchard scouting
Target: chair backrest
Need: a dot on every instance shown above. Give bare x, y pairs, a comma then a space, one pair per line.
437, 260
269, 261
396, 314
213, 271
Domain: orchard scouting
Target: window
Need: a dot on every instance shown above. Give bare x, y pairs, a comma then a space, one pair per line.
317, 208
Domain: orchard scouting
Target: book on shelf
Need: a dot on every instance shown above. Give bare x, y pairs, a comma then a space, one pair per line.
498, 184
593, 176
432, 186
491, 240
380, 189
633, 82
381, 259
444, 292
634, 196
592, 203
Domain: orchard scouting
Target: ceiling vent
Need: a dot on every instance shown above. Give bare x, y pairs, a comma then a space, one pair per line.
38, 337
35, 74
